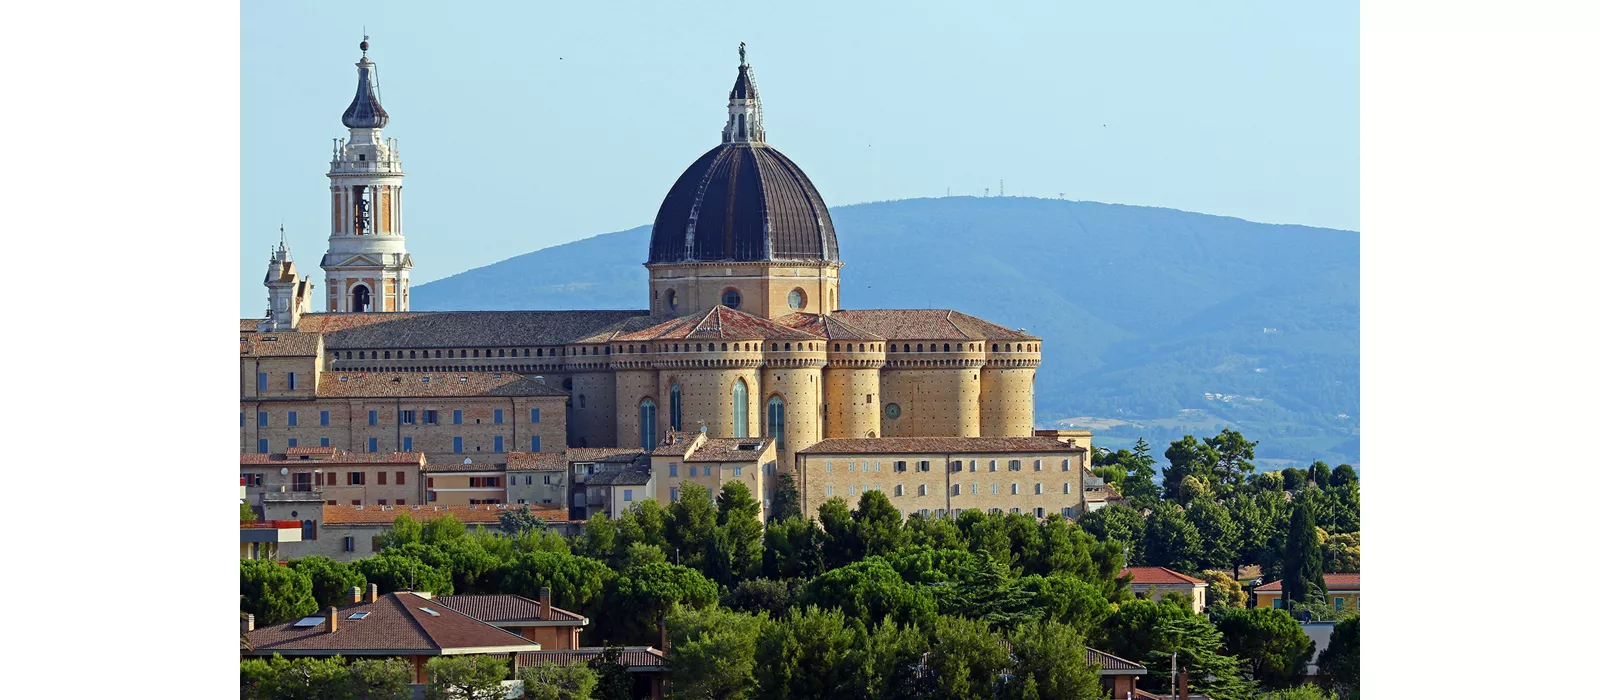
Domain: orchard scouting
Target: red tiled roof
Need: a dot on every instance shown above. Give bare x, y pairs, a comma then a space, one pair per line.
313, 450
927, 324
1159, 575
1113, 665
958, 445
603, 454
536, 461
719, 323
395, 624
471, 515
288, 344
339, 457
444, 468
729, 450
632, 657
406, 384
248, 325
1336, 582
830, 327
504, 607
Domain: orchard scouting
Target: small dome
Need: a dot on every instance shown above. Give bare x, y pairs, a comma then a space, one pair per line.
364, 111
743, 201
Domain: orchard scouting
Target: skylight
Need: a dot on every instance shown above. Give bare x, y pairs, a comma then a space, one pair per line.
359, 615
310, 621
426, 610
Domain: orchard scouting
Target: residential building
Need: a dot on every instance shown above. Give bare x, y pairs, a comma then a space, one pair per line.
1118, 676
342, 477
712, 462
347, 533
942, 476
1157, 582
585, 463
537, 478
1344, 593
465, 483
550, 626
259, 539
647, 665
407, 625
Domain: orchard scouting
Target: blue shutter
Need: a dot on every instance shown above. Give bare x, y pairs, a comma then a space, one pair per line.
261, 446
291, 381
499, 443
457, 441
533, 416
372, 444
372, 417
535, 446
261, 419
324, 442
293, 442
406, 444
261, 381
324, 418
294, 418
241, 419
499, 417
456, 415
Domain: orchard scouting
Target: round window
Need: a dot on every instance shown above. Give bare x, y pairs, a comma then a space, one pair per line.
892, 410
797, 299
672, 300
730, 298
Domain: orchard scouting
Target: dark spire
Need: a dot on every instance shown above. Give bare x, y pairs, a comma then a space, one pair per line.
744, 107
365, 112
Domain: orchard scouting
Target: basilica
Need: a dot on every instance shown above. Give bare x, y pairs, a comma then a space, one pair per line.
745, 331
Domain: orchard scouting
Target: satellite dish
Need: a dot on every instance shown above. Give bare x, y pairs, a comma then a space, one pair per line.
467, 461
283, 472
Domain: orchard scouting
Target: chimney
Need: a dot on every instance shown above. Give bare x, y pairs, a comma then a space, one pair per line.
372, 593
333, 619
247, 623
1183, 683
355, 595
666, 644
544, 603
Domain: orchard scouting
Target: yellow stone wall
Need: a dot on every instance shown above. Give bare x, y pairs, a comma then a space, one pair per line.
349, 429
796, 377
1006, 394
763, 287
847, 476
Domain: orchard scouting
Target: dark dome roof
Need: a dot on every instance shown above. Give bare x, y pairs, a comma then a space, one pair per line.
364, 111
743, 202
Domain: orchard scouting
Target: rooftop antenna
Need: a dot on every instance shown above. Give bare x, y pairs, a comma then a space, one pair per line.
1002, 188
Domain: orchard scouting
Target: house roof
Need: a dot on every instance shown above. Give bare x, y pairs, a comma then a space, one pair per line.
248, 325
505, 607
473, 329
719, 323
830, 327
1159, 575
1113, 665
339, 457
1336, 582
628, 475
927, 324
604, 454
536, 461
439, 468
953, 445
288, 344
712, 449
632, 657
430, 384
470, 514
397, 623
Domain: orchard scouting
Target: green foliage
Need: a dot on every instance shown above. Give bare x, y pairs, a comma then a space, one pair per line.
1343, 474
1068, 600
690, 522
1270, 645
404, 531
793, 549
982, 589
643, 522
612, 680
474, 677
324, 678
870, 590
1302, 692
877, 524
1219, 534
785, 500
1320, 474
599, 536
840, 546
740, 536
516, 521
1293, 479
1267, 481
814, 655
472, 567
640, 553
1050, 662
1339, 666
713, 652
246, 513
968, 661
938, 533
443, 529
1222, 590
1139, 486
380, 679
574, 581
1120, 524
1232, 467
1341, 553
1196, 641
1187, 457
1302, 556
556, 682
393, 572
641, 595
274, 593
759, 595
1172, 541
331, 581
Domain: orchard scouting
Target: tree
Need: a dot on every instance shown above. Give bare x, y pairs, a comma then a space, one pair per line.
302, 678
331, 581
1196, 641
982, 589
1339, 666
841, 546
1187, 457
474, 677
869, 590
405, 530
1268, 481
470, 564
1120, 524
761, 595
516, 521
443, 529
793, 549
713, 652
1272, 647
1320, 474
393, 572
785, 500
274, 593
1222, 590
1068, 600
599, 536
1172, 541
380, 679
641, 595
1219, 534
246, 513
877, 524
612, 680
643, 522
1341, 553
738, 516
1234, 453
1050, 662
1303, 692
1293, 479
1302, 557
813, 655
894, 662
640, 553
1343, 474
968, 662
551, 681
1139, 487
938, 533
575, 582
690, 520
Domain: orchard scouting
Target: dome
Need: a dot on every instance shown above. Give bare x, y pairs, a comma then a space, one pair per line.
364, 111
743, 202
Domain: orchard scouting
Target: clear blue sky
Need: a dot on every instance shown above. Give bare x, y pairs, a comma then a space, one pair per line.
525, 125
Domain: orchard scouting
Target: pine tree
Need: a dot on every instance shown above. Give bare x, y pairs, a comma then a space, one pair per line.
1302, 557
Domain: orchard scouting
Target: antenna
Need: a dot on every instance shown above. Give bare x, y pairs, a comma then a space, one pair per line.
1002, 188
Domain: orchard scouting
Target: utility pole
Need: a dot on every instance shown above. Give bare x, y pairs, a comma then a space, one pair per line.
1002, 188
1173, 695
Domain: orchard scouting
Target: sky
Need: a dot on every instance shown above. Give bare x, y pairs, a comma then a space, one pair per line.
527, 125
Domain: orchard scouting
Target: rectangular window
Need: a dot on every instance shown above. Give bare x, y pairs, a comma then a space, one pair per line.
406, 417
355, 502
241, 419
1013, 488
738, 471
827, 466
399, 501
455, 416
349, 544
546, 480
852, 465
922, 490
400, 478
372, 417
455, 443
261, 446
899, 490
852, 489
994, 464
674, 494
261, 419
1038, 488
1277, 603
828, 488
972, 489
955, 489
323, 442
1038, 465
955, 466
322, 419
499, 416
1066, 487
924, 466
1038, 512
1338, 604
694, 471
261, 381
405, 443
333, 480
672, 468
291, 381
358, 478
533, 415
534, 447
499, 443
877, 466
294, 442
372, 444
900, 466
627, 494
1066, 465
430, 417
383, 501
294, 418
1015, 465
383, 478
994, 489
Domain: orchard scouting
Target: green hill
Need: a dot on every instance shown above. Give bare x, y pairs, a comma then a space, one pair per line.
1144, 311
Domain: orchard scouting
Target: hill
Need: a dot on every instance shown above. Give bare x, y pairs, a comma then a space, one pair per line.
1156, 322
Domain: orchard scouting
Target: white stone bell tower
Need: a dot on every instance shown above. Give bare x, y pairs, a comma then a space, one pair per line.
367, 266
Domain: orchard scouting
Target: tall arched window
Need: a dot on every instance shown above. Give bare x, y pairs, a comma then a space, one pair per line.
775, 419
675, 406
647, 424
741, 409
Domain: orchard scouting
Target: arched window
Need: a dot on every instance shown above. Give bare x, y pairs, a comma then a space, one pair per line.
675, 406
647, 424
775, 419
741, 409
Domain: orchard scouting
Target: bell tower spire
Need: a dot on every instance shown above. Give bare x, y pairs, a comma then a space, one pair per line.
367, 266
744, 108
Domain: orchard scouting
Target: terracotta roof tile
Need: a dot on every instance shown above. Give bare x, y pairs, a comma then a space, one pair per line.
500, 608
604, 454
927, 324
471, 515
472, 329
447, 467
278, 345
961, 445
313, 450
1113, 665
339, 457
536, 461
396, 623
830, 327
719, 323
248, 325
632, 657
628, 475
407, 384
713, 449
1336, 582
1159, 575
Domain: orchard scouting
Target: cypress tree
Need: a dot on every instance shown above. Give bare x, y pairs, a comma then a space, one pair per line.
1302, 557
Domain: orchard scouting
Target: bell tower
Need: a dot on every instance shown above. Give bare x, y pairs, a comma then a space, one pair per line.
367, 266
